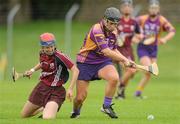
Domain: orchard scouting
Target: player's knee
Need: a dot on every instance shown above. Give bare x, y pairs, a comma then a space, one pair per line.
114, 80
148, 75
79, 99
132, 72
24, 115
48, 116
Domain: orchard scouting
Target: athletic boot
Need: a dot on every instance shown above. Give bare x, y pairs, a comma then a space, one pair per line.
75, 115
138, 94
109, 111
120, 93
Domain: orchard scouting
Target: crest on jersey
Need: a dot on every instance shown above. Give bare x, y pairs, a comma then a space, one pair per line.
120, 27
51, 65
132, 27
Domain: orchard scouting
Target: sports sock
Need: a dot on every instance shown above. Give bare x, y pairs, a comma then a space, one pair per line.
107, 101
77, 110
140, 88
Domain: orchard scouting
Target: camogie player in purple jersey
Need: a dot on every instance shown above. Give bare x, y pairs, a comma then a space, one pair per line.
49, 94
94, 61
152, 25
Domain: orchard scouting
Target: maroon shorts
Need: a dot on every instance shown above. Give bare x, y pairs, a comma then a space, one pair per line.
127, 52
43, 93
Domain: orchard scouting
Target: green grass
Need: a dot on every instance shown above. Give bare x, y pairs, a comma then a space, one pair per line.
163, 91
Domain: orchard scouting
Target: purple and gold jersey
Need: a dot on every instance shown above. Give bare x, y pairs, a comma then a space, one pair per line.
154, 28
95, 41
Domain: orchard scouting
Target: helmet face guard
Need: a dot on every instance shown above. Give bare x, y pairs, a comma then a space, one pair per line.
154, 3
48, 43
112, 14
126, 2
112, 20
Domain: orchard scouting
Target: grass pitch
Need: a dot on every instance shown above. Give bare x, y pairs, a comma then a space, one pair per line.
163, 96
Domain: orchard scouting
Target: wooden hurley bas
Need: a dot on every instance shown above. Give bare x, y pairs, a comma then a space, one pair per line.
153, 68
16, 75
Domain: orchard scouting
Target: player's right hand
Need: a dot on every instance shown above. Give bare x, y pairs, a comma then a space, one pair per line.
162, 41
70, 94
28, 73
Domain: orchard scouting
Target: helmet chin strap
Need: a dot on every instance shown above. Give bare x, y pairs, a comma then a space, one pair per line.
106, 29
105, 25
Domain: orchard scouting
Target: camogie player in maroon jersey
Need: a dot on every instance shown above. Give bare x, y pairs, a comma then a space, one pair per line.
129, 31
49, 94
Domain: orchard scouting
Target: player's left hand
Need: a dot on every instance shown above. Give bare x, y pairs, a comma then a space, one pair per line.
162, 41
28, 73
70, 94
137, 38
130, 64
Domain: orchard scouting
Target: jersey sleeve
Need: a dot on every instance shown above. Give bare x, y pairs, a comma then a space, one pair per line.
99, 37
137, 28
138, 20
166, 25
65, 59
141, 21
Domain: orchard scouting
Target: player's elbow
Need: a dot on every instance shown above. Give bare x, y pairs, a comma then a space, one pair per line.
172, 33
74, 69
106, 52
77, 71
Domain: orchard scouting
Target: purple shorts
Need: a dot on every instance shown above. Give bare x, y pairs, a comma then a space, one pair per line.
89, 72
147, 50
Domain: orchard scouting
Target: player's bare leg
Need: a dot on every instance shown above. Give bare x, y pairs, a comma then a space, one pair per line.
81, 94
128, 74
144, 61
39, 111
50, 110
109, 74
29, 110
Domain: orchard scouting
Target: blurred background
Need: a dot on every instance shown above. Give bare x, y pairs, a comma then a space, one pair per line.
90, 10
22, 21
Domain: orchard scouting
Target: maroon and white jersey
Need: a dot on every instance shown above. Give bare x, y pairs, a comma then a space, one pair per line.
54, 68
127, 29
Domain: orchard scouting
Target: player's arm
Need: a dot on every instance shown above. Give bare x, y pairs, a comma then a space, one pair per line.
138, 34
137, 38
103, 47
75, 72
116, 56
167, 26
32, 70
166, 38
